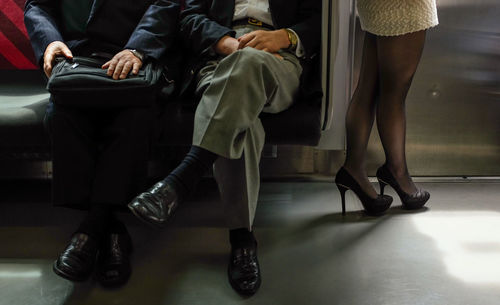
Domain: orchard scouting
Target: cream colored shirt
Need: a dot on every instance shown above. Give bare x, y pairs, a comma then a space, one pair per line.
259, 9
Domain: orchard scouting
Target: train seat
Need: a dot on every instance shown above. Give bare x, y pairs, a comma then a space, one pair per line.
23, 100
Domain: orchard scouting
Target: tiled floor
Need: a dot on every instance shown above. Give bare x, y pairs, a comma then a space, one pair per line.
310, 254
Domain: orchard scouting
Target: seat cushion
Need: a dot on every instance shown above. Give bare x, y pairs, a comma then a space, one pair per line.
298, 125
23, 100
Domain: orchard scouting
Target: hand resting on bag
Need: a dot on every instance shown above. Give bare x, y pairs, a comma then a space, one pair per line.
122, 63
53, 50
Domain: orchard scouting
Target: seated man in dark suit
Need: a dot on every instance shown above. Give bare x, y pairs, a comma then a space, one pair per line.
100, 155
246, 57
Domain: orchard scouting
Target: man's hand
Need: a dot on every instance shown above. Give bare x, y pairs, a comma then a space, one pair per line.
121, 64
269, 41
54, 49
227, 45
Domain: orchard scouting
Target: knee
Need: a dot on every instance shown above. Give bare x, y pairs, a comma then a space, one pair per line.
251, 58
396, 81
251, 65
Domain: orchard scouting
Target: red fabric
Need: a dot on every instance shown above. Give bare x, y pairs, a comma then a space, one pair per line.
15, 49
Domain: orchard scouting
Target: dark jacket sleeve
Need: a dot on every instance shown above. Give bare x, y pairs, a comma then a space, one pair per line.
199, 31
157, 29
309, 28
40, 18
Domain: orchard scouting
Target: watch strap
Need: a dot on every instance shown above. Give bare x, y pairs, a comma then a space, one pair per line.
137, 54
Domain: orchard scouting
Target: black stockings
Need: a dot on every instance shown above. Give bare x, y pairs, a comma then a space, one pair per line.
387, 69
361, 114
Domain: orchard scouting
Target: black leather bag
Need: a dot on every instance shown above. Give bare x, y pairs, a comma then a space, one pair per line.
81, 82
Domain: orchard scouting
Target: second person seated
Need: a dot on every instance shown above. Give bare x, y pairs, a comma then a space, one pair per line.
246, 57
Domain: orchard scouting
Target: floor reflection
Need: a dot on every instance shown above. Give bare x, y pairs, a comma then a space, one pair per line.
469, 242
19, 271
27, 281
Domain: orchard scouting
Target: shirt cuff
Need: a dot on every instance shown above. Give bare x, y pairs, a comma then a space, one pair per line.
299, 51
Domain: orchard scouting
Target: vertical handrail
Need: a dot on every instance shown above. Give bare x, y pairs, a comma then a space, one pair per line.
352, 41
326, 62
338, 45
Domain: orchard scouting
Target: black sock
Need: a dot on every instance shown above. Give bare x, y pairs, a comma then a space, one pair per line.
97, 221
196, 163
242, 238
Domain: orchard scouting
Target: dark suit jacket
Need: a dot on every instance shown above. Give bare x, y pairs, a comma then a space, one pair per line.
205, 22
149, 26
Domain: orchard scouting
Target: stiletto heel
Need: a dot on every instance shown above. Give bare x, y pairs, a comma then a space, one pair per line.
342, 190
372, 206
410, 201
382, 186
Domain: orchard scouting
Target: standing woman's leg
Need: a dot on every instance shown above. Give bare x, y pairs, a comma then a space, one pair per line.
360, 115
398, 59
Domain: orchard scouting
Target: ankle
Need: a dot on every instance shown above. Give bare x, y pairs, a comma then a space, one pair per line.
117, 227
355, 168
179, 188
242, 237
97, 222
97, 235
398, 171
190, 171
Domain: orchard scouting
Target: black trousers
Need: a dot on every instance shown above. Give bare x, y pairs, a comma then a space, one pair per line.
99, 155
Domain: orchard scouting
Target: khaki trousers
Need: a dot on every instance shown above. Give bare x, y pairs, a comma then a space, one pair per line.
236, 89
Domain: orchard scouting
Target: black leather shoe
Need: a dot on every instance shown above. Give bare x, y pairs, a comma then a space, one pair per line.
155, 205
244, 270
77, 261
410, 201
113, 264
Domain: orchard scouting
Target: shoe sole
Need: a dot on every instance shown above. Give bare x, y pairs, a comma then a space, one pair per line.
67, 276
416, 207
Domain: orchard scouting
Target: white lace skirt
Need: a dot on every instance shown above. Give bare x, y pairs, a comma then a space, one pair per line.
396, 17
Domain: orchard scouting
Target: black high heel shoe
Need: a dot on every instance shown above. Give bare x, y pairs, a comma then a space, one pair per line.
410, 201
372, 206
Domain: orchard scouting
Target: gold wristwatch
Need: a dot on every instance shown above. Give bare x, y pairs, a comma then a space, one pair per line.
293, 39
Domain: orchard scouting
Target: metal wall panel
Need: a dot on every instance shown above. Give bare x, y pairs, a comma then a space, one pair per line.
453, 106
